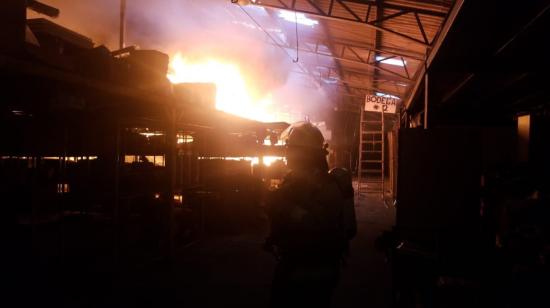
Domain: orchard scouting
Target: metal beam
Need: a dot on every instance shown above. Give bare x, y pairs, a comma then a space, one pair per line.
349, 78
338, 47
421, 26
274, 41
300, 5
366, 47
437, 13
348, 85
121, 43
315, 67
350, 75
378, 34
344, 57
449, 21
362, 90
42, 8
344, 74
329, 37
364, 87
360, 47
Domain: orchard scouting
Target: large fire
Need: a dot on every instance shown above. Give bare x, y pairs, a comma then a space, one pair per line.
233, 94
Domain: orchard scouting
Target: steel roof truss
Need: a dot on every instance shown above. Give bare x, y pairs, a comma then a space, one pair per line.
300, 6
341, 56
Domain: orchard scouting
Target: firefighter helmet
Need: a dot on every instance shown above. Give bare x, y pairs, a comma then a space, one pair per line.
304, 135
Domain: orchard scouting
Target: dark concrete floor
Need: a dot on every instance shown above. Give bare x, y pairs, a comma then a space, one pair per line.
218, 271
230, 271
367, 278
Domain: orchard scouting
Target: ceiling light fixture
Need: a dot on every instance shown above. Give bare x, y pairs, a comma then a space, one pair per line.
391, 61
298, 18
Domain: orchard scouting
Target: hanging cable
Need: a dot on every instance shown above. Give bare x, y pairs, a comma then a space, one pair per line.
306, 71
297, 47
267, 33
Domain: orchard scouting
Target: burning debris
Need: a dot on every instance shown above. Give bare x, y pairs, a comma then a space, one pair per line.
233, 95
208, 42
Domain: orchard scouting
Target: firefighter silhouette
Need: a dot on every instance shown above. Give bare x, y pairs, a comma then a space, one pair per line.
312, 220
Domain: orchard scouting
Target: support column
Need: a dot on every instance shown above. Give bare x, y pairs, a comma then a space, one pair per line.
117, 227
122, 24
13, 15
426, 96
171, 166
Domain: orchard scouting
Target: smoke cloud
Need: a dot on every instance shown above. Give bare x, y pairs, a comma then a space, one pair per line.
200, 29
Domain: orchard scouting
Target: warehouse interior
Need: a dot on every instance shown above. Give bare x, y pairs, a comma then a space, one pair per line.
141, 139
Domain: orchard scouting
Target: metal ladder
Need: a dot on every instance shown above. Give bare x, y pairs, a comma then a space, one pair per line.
370, 175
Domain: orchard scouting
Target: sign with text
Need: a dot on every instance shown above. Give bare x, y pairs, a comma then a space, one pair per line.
384, 104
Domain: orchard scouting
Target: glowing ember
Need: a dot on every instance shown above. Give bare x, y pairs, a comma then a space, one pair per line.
268, 160
232, 94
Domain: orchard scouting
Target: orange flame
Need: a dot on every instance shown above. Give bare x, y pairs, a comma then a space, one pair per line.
233, 94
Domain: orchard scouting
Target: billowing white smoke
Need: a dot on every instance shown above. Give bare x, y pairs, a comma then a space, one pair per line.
200, 29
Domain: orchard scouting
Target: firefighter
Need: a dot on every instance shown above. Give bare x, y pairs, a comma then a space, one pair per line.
312, 219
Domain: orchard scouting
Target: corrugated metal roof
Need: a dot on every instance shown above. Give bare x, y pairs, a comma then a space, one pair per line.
364, 46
